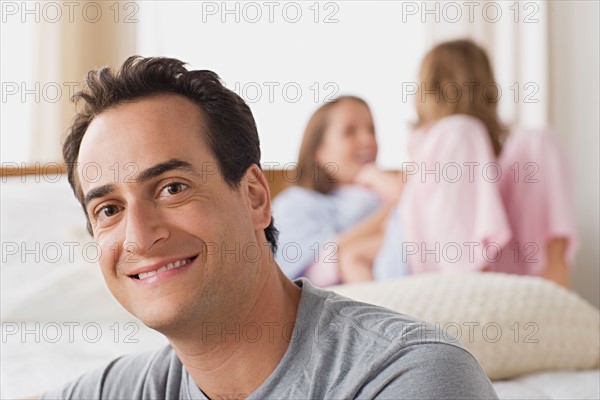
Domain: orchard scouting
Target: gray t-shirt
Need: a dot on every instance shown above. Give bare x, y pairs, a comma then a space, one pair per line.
340, 349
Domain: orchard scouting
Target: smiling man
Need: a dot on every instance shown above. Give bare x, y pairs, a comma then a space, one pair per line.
182, 213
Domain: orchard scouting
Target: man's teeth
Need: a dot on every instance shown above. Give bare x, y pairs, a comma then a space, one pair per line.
173, 265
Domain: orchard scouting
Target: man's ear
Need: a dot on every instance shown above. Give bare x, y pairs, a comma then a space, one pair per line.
258, 194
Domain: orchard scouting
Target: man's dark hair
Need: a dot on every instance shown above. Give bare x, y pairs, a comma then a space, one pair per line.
231, 132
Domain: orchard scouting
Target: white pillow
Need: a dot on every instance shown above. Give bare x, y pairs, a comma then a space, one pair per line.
512, 324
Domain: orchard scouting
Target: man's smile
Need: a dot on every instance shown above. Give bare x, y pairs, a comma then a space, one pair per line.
145, 273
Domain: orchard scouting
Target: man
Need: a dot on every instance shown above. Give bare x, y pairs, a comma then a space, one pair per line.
182, 214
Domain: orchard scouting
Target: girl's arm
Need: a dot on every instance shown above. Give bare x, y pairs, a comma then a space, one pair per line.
371, 225
387, 184
359, 245
557, 269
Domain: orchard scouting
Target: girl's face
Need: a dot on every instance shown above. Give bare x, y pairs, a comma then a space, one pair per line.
348, 142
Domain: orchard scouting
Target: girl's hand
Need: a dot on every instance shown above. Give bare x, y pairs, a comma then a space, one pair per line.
388, 185
368, 175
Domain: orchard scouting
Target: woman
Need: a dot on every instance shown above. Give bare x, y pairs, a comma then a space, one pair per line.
330, 223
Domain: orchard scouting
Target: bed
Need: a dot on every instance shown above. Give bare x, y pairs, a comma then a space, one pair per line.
59, 320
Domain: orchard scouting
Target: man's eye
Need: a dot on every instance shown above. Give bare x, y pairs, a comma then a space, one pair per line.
107, 211
173, 188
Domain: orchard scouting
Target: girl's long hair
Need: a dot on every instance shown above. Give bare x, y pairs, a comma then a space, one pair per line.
456, 77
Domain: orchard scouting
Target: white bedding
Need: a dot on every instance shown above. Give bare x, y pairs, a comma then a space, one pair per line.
552, 385
30, 365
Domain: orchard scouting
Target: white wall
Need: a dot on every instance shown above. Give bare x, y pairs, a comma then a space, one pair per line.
575, 115
348, 47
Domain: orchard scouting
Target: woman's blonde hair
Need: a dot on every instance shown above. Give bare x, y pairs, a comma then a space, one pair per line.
311, 174
456, 77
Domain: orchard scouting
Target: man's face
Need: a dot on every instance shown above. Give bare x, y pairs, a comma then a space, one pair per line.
178, 244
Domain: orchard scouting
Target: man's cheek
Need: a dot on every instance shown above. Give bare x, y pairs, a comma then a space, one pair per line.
110, 254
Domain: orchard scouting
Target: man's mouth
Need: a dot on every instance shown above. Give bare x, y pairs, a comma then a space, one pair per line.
166, 267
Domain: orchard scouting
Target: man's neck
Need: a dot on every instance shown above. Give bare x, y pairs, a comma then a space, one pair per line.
243, 353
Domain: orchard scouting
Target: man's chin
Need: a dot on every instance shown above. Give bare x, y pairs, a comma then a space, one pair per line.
164, 319
169, 327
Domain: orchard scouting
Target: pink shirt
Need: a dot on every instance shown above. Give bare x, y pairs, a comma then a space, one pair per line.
538, 198
463, 209
451, 207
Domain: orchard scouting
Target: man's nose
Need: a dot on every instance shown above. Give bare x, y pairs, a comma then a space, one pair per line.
145, 228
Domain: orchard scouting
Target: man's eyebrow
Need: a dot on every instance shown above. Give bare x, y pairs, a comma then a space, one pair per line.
145, 175
99, 191
161, 168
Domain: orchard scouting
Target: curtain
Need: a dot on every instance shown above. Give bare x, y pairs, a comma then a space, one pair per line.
99, 33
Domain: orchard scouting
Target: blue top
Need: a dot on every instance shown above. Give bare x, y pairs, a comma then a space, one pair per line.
308, 220
391, 261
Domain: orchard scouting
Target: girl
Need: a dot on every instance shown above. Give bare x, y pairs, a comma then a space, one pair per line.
463, 208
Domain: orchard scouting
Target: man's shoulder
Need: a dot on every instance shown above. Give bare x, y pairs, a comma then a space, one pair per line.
380, 352
153, 374
374, 323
